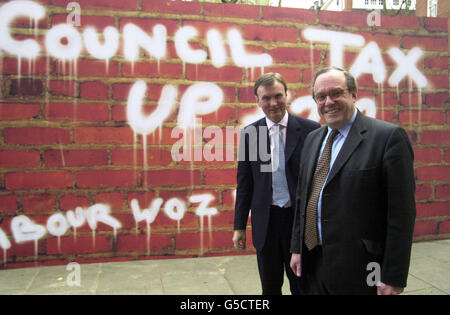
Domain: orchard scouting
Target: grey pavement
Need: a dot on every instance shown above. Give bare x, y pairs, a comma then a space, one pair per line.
224, 275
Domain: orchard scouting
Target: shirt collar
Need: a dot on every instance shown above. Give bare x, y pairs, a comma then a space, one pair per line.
283, 122
344, 130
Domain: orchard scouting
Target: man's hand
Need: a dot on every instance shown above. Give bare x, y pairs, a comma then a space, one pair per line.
296, 264
386, 289
239, 239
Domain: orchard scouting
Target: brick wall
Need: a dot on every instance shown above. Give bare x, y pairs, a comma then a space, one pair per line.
75, 180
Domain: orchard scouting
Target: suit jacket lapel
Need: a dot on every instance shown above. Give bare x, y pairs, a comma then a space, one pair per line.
354, 138
293, 135
314, 156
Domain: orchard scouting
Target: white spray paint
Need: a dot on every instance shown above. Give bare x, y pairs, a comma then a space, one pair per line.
186, 53
202, 210
216, 48
5, 244
175, 209
148, 215
337, 42
370, 61
76, 219
24, 230
243, 59
406, 66
134, 38
97, 50
199, 99
58, 226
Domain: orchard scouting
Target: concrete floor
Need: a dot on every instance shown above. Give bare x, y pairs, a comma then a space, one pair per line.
228, 275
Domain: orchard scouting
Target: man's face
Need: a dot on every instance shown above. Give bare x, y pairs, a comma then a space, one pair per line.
272, 100
334, 102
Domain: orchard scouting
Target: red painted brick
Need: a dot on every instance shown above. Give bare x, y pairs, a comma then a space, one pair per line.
96, 68
103, 135
120, 91
94, 90
78, 245
203, 27
293, 55
37, 66
22, 159
175, 177
109, 178
220, 176
423, 117
26, 88
437, 81
32, 135
246, 95
343, 18
426, 43
437, 63
15, 111
289, 14
135, 157
436, 24
269, 33
63, 88
211, 73
400, 22
229, 197
67, 158
178, 7
99, 22
152, 70
433, 173
447, 155
386, 115
444, 227
77, 112
423, 192
234, 10
442, 191
130, 5
133, 242
425, 227
115, 200
384, 41
8, 203
435, 137
38, 180
147, 24
71, 202
38, 203
436, 99
433, 209
427, 155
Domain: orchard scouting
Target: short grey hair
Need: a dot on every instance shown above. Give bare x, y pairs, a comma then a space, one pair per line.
351, 81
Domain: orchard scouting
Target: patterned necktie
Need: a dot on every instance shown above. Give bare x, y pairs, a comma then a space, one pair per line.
320, 175
279, 182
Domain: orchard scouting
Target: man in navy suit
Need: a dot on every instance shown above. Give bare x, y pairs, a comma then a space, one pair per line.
271, 216
365, 210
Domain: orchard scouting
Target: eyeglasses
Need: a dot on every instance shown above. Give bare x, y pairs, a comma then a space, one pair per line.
333, 94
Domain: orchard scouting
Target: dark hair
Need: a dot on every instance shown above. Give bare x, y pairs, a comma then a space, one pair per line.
351, 81
269, 79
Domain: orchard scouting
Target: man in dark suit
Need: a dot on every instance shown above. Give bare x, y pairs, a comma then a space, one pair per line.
360, 226
269, 156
